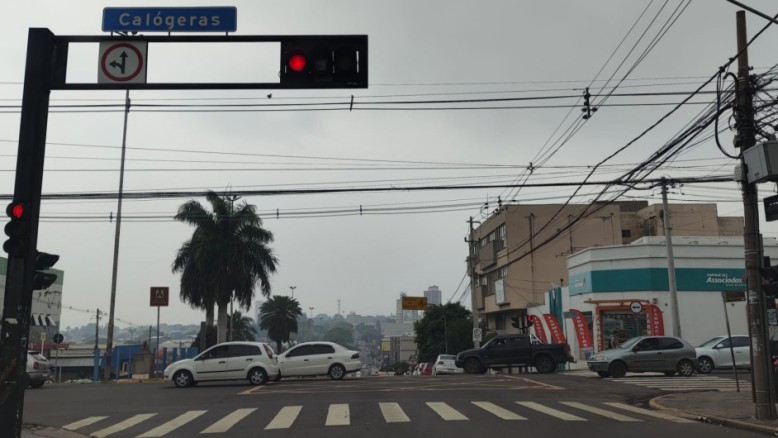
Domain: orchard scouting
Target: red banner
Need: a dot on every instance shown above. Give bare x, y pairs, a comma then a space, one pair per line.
538, 326
557, 335
656, 320
582, 330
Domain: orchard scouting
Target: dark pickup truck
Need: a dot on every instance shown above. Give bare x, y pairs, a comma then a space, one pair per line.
514, 350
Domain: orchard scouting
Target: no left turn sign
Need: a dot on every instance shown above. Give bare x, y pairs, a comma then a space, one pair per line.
122, 62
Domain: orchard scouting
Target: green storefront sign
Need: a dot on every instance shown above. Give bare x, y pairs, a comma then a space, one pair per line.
653, 279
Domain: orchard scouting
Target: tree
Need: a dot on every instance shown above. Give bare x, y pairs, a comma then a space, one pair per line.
242, 328
226, 257
341, 333
443, 329
369, 334
278, 315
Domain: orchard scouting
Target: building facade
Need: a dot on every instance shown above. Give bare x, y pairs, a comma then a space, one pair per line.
521, 251
434, 296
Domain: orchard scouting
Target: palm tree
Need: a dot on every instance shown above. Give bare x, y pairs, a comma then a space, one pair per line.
242, 328
278, 315
226, 257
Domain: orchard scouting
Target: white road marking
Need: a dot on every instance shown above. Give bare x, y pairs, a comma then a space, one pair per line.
648, 412
285, 417
551, 411
393, 413
598, 411
446, 412
172, 425
498, 411
338, 415
126, 424
83, 423
230, 420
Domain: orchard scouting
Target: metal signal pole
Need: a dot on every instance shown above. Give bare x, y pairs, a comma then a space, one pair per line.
471, 261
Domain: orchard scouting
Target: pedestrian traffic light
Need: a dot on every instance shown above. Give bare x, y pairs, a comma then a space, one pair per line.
334, 61
18, 229
42, 280
770, 281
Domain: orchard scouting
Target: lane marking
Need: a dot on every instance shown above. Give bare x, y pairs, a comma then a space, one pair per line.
551, 411
285, 417
598, 411
173, 424
648, 412
338, 415
446, 412
83, 423
498, 411
393, 413
230, 420
118, 427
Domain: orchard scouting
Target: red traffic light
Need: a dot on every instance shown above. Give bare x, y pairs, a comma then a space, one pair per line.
297, 62
15, 210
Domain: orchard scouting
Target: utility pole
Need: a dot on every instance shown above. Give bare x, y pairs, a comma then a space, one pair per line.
764, 397
670, 262
97, 329
471, 264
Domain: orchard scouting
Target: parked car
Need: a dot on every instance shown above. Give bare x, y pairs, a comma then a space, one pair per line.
254, 361
38, 368
318, 359
426, 369
716, 353
667, 354
514, 350
444, 364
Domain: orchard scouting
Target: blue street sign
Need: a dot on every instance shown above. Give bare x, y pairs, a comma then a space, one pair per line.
205, 19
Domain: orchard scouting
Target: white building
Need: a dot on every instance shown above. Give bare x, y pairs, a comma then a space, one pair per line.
434, 296
606, 281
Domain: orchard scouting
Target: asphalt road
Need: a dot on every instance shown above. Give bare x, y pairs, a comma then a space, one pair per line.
561, 404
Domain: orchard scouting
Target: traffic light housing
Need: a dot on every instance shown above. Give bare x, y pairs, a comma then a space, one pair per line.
17, 229
42, 280
335, 61
770, 281
516, 322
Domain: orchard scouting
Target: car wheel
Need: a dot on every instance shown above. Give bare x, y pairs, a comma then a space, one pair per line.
37, 384
473, 366
685, 368
337, 372
257, 376
706, 365
183, 379
544, 364
603, 374
618, 369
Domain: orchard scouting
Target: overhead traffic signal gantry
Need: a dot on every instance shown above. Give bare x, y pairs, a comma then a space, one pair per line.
324, 61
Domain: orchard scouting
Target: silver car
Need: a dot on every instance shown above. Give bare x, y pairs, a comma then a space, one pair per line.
665, 354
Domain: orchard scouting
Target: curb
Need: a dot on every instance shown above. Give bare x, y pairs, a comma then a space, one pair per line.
654, 403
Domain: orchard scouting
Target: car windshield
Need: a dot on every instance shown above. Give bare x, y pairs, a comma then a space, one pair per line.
711, 342
629, 343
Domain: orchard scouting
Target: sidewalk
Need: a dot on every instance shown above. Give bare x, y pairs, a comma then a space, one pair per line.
731, 409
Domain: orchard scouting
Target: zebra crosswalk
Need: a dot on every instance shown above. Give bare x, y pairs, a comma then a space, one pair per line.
156, 425
696, 382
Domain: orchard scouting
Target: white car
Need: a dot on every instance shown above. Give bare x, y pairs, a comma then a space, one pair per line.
38, 368
716, 353
318, 359
254, 361
444, 364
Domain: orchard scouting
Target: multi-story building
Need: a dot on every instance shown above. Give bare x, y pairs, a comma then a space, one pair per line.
521, 251
434, 296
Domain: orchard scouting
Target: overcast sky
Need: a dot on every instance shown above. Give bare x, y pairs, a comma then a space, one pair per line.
419, 51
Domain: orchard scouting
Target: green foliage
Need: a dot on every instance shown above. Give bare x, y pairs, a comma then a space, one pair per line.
369, 334
341, 333
443, 326
242, 328
401, 368
278, 315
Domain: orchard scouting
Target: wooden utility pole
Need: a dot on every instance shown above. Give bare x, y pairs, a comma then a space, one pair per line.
762, 376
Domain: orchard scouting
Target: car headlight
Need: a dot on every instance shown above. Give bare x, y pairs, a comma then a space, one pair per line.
597, 359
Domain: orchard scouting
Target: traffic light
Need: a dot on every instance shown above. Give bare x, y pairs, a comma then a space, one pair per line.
324, 61
42, 280
516, 323
18, 229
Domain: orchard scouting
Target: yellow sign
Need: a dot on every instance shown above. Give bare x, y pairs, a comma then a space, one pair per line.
414, 303
386, 346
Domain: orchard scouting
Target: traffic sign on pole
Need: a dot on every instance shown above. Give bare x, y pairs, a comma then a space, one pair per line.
122, 62
160, 296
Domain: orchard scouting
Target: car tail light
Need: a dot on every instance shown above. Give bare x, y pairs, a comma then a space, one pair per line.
36, 365
268, 351
355, 356
440, 363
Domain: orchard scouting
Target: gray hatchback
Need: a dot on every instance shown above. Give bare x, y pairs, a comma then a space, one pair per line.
665, 354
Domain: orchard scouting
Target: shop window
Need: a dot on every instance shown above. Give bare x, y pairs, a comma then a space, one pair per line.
499, 321
620, 325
